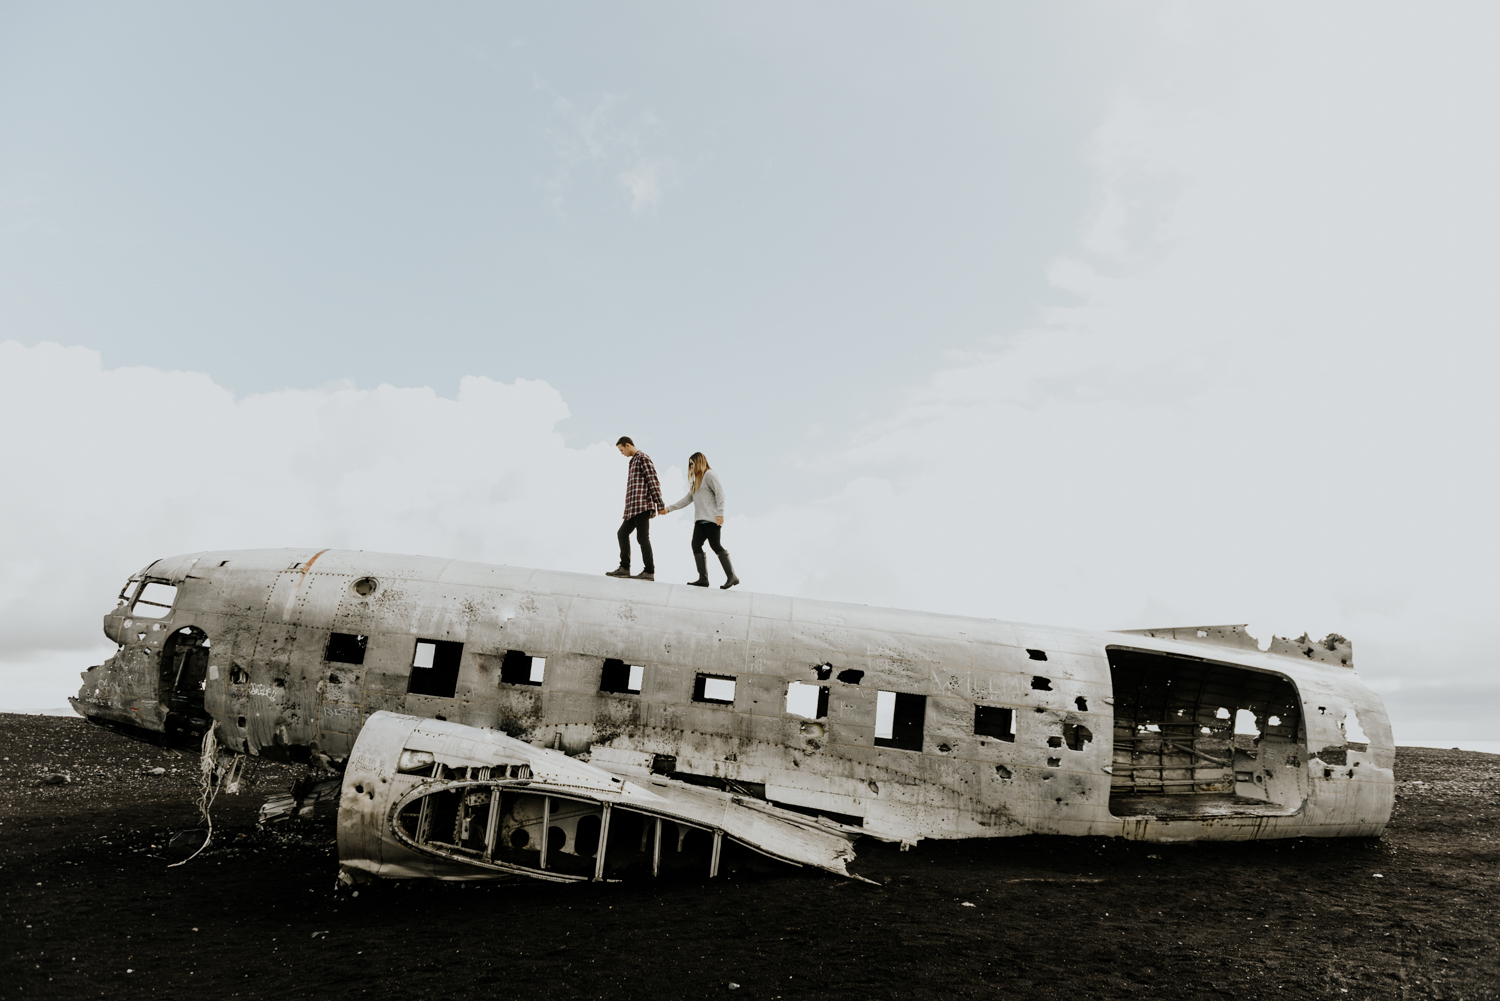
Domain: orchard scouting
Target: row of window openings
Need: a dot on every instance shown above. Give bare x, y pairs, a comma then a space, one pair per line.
518, 668
899, 716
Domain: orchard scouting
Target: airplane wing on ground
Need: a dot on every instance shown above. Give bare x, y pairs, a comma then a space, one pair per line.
436, 799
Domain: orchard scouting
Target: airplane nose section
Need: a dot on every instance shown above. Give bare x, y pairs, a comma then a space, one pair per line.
114, 626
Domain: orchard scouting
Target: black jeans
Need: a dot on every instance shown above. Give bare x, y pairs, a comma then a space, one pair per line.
706, 530
640, 524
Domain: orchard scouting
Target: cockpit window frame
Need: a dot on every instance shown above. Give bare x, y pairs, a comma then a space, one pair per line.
141, 599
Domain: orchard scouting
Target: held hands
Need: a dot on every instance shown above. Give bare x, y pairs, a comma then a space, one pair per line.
662, 511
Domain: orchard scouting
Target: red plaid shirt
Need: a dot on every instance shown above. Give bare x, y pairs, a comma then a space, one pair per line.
642, 490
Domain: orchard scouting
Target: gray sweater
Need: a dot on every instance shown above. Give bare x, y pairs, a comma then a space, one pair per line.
708, 502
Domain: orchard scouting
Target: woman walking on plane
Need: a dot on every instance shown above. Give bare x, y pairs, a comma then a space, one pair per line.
707, 495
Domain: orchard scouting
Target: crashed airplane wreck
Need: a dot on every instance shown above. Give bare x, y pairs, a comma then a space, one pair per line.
494, 721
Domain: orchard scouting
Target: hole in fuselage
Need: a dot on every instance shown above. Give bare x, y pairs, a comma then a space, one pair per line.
1176, 749
182, 679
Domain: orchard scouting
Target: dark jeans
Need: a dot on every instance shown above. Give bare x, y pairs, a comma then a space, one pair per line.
706, 530
641, 525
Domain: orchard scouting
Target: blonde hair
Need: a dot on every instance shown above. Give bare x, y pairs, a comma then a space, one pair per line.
697, 466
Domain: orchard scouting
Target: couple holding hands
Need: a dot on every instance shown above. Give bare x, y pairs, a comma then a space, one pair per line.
643, 501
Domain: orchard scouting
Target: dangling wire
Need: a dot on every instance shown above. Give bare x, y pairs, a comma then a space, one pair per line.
211, 776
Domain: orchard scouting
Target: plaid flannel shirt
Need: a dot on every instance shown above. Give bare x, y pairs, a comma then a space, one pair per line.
642, 490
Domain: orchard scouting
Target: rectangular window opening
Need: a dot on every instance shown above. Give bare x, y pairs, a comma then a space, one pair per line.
715, 689
518, 668
434, 668
155, 600
899, 717
995, 721
809, 701
345, 648
621, 678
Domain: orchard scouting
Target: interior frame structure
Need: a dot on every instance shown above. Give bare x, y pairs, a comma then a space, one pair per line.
1176, 752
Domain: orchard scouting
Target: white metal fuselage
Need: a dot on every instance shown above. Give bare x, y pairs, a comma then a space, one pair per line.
987, 729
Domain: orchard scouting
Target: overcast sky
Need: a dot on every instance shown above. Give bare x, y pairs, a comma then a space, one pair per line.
1097, 315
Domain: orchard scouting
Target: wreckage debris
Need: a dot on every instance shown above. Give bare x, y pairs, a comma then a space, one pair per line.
431, 798
786, 726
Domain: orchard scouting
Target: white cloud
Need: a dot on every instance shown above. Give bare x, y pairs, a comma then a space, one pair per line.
644, 181
110, 469
607, 136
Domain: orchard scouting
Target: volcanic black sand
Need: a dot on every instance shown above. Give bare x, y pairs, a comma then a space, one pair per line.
91, 909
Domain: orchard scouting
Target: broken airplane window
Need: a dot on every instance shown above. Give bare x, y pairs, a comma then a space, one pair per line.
345, 648
1041, 684
1037, 654
520, 669
365, 586
995, 721
415, 762
621, 678
715, 689
155, 600
1244, 722
810, 701
899, 717
128, 591
434, 668
1075, 735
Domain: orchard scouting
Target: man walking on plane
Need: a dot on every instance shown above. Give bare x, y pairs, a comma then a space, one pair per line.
642, 501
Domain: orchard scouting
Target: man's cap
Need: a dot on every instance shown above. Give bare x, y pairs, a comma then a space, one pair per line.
624, 441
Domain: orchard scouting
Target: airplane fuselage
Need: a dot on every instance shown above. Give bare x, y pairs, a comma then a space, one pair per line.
906, 724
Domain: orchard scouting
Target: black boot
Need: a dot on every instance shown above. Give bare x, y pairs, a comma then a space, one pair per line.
702, 560
621, 571
728, 571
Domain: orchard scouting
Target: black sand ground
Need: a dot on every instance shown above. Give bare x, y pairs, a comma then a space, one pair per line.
90, 908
